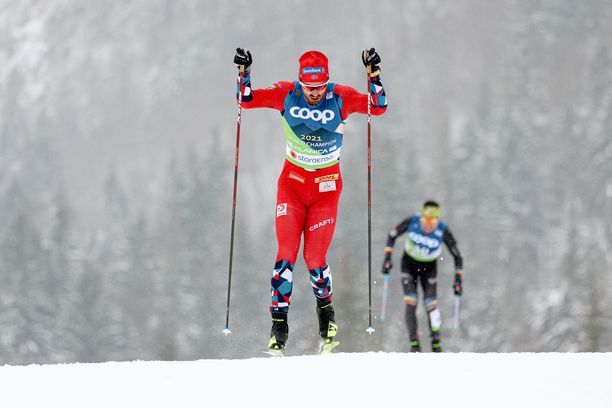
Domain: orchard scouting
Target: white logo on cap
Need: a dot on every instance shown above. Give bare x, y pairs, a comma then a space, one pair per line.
316, 70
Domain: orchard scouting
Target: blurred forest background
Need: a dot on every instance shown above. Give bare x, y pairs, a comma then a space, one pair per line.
117, 136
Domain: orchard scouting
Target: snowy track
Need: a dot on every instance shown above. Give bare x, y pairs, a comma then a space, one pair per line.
347, 379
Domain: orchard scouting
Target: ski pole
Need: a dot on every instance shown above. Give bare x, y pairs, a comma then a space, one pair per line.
383, 307
370, 329
227, 330
456, 316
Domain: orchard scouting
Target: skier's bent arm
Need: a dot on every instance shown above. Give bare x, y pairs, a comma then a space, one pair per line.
451, 244
396, 232
393, 234
272, 97
355, 102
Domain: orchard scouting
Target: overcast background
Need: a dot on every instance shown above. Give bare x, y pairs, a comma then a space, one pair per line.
117, 137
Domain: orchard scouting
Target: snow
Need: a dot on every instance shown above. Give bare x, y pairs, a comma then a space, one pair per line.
342, 379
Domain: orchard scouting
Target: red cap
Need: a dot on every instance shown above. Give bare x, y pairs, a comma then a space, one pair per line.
313, 67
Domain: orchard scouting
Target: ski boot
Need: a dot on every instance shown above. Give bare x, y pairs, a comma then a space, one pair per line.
436, 346
327, 326
415, 346
278, 334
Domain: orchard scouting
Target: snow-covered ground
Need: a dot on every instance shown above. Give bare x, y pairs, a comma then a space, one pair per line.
339, 380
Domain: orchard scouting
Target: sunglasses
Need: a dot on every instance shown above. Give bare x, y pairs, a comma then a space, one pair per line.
431, 212
313, 88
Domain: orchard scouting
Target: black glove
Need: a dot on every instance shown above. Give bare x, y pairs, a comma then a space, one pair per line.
370, 58
243, 57
457, 286
387, 265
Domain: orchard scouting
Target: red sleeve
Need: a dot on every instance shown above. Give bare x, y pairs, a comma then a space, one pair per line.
272, 97
355, 102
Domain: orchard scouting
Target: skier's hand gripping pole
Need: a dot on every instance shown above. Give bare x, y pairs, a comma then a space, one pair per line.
243, 58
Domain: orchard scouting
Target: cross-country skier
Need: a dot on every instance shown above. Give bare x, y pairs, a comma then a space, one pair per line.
425, 235
313, 113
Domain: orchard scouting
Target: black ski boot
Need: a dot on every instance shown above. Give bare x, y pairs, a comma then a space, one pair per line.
415, 346
436, 346
327, 322
279, 333
327, 325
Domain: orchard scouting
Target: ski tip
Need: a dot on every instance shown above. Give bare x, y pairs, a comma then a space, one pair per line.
227, 331
370, 329
274, 353
327, 347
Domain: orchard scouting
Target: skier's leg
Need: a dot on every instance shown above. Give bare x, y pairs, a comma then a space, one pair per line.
290, 217
430, 290
318, 234
409, 282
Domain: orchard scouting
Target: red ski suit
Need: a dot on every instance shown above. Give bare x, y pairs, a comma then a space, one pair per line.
310, 184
